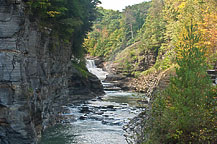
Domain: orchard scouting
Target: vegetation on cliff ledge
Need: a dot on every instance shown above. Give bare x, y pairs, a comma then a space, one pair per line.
69, 20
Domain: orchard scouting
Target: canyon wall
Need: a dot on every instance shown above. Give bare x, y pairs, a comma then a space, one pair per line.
36, 79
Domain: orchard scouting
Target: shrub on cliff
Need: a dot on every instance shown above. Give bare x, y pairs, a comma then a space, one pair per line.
186, 111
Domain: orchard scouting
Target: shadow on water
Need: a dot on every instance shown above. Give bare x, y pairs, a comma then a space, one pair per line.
59, 134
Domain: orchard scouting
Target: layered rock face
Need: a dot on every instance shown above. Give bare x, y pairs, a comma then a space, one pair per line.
35, 80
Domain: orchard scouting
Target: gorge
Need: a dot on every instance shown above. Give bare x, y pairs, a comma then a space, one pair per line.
156, 89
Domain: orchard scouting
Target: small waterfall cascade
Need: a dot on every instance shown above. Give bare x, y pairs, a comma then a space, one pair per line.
90, 64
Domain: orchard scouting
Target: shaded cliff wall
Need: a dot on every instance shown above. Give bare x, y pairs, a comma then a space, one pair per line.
35, 79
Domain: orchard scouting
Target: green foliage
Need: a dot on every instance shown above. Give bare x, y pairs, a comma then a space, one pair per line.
133, 18
113, 31
155, 28
185, 111
163, 64
106, 33
149, 71
71, 19
152, 32
81, 68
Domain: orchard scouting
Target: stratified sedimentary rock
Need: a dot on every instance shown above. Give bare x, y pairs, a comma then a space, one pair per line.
35, 80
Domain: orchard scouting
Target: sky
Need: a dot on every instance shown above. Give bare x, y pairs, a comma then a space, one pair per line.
119, 4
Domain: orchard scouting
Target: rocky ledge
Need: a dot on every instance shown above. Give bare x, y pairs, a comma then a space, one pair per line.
135, 129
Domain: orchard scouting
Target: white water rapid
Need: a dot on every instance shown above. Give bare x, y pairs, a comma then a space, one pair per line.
96, 71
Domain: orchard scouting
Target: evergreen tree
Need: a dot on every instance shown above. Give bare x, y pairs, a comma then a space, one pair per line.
185, 112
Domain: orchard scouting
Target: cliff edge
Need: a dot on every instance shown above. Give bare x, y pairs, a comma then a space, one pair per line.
35, 79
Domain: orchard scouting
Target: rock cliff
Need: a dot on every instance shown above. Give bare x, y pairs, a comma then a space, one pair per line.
35, 79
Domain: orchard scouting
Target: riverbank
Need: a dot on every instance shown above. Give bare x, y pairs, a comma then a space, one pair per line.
148, 85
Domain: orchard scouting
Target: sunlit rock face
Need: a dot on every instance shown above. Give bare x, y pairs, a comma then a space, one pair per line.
35, 80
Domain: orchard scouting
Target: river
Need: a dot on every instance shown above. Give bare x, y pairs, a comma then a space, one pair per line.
97, 121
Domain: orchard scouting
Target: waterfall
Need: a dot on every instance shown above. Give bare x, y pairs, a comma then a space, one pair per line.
90, 64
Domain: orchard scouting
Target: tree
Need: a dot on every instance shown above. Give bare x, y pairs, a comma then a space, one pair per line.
185, 111
70, 20
115, 30
153, 29
130, 19
133, 18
